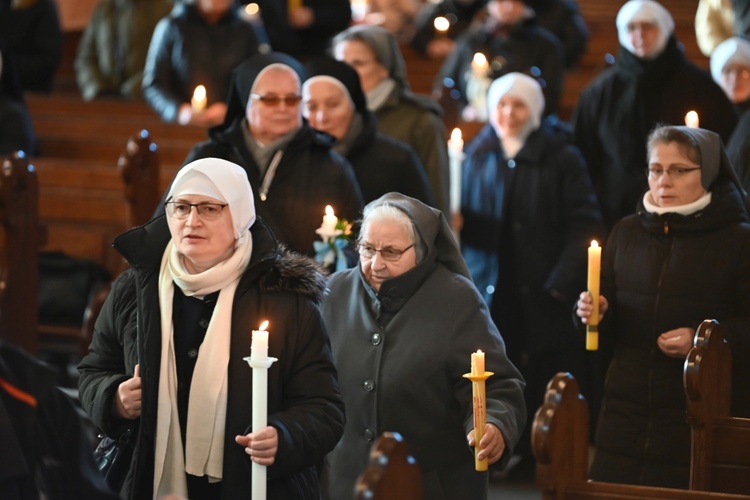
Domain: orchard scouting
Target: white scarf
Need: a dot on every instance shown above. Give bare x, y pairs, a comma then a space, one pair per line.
688, 209
203, 454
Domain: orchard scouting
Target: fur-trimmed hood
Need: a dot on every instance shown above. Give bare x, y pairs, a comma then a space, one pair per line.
293, 272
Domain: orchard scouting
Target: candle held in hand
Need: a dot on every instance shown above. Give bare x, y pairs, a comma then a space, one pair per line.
441, 26
594, 275
259, 347
478, 376
199, 100
479, 65
456, 157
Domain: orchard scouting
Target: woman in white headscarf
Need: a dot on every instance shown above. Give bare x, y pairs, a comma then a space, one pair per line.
651, 82
529, 212
730, 68
168, 348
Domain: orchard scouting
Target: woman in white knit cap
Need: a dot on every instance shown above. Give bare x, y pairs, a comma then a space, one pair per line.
202, 277
529, 212
730, 68
650, 82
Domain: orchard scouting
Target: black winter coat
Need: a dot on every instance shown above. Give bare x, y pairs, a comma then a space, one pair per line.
383, 164
303, 397
309, 177
186, 51
738, 147
616, 112
660, 273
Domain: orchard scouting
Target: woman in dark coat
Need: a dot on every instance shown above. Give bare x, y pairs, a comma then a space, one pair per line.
682, 258
730, 68
168, 348
199, 43
651, 82
403, 325
529, 212
333, 102
291, 168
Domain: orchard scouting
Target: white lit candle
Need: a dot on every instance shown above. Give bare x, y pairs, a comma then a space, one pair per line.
329, 221
260, 363
441, 26
456, 155
479, 65
692, 120
198, 102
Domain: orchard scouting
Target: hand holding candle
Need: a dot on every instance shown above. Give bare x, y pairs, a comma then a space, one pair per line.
478, 376
595, 265
199, 100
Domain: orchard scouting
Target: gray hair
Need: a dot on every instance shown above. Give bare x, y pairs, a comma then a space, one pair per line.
390, 213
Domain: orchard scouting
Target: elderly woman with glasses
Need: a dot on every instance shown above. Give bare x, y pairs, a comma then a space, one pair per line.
403, 325
730, 68
167, 354
292, 170
682, 258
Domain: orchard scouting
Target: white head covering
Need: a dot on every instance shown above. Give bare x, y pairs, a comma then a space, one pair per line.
522, 87
329, 79
222, 180
735, 50
644, 11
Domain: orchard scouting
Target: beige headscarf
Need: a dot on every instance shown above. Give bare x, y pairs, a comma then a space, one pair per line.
203, 452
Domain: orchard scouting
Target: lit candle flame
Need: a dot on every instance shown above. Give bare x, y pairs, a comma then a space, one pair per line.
329, 210
480, 60
200, 93
594, 243
252, 9
456, 134
441, 24
692, 120
263, 325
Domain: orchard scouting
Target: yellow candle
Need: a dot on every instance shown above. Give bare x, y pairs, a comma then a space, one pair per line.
479, 65
293, 4
198, 102
480, 405
692, 120
595, 266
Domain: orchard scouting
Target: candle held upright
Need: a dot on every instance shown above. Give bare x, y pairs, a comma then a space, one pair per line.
456, 156
692, 119
478, 376
199, 100
594, 274
260, 363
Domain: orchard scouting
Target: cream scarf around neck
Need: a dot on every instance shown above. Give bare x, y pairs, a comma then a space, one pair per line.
203, 453
690, 208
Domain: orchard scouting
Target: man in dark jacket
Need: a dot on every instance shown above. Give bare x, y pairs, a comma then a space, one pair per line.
292, 171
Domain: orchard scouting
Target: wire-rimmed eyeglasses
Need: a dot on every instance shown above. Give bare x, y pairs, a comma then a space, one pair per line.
674, 173
206, 211
388, 253
273, 100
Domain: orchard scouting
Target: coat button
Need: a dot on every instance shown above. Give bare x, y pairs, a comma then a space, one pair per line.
369, 385
376, 339
193, 353
369, 435
203, 323
511, 163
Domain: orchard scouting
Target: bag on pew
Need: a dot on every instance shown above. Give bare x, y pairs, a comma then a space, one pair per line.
65, 286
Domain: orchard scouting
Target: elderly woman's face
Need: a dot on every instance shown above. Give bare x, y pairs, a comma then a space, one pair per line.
359, 56
507, 11
328, 108
512, 115
384, 234
643, 37
673, 178
273, 109
735, 80
203, 243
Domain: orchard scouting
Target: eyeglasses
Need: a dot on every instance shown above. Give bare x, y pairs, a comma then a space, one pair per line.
388, 253
206, 211
738, 72
673, 173
273, 100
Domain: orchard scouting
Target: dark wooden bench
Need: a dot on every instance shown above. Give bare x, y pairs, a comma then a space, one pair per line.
391, 473
560, 436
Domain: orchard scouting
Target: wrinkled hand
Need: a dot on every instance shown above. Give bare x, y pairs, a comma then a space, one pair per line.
261, 446
676, 343
585, 306
492, 444
127, 401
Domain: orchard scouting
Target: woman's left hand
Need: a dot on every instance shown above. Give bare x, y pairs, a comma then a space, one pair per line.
492, 444
676, 343
261, 446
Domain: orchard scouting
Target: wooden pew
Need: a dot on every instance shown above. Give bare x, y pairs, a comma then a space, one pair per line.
391, 473
560, 445
720, 442
19, 215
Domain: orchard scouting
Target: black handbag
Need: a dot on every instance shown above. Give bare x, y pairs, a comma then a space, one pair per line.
113, 457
